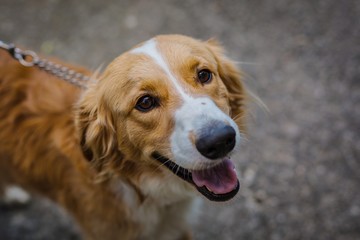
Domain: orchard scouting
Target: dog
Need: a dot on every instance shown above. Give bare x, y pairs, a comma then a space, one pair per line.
128, 156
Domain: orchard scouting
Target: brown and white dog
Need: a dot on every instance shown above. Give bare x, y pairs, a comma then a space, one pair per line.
127, 155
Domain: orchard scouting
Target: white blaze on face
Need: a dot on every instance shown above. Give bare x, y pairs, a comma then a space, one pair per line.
149, 48
194, 114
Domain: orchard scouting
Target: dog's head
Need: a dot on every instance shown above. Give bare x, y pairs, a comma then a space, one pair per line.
170, 103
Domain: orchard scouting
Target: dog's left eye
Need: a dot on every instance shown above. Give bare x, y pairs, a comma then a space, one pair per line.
204, 76
146, 103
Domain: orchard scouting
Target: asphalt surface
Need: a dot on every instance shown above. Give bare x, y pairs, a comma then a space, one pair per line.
300, 168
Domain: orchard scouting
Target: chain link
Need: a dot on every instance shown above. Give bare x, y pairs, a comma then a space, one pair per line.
29, 58
62, 72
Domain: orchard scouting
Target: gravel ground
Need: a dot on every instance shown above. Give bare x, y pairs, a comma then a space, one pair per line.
300, 166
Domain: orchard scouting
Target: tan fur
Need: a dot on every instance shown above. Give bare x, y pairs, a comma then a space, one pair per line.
115, 191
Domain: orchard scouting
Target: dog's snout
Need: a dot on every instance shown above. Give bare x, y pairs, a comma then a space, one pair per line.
217, 141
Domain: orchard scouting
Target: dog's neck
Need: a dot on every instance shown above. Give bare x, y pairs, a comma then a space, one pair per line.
163, 188
167, 189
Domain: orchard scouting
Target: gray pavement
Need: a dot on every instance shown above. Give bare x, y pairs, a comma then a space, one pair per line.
301, 164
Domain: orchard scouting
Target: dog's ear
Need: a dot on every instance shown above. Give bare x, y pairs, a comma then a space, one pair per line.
231, 77
97, 131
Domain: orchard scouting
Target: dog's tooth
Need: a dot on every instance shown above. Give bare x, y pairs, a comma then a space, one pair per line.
209, 189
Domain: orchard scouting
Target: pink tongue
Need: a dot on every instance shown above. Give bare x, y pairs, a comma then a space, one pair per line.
220, 179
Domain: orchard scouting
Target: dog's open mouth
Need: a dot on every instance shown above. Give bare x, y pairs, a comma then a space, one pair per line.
218, 183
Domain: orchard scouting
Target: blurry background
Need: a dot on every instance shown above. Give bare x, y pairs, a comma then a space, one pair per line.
301, 165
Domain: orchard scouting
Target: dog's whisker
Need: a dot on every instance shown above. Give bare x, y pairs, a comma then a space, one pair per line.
178, 168
240, 116
161, 165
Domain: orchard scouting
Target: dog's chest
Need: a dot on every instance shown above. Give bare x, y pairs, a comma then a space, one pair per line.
166, 210
164, 222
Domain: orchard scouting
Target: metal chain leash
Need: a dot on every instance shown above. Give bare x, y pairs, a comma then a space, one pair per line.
29, 58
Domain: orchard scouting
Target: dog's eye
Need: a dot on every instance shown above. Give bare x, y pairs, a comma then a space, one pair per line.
204, 76
146, 103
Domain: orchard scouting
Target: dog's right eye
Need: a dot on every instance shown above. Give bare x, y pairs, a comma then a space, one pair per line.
146, 103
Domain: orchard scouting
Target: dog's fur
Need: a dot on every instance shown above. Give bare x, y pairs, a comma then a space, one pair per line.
90, 151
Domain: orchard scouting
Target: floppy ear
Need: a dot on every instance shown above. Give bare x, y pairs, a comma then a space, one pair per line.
97, 132
232, 78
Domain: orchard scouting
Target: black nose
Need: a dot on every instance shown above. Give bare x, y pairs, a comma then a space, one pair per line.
217, 141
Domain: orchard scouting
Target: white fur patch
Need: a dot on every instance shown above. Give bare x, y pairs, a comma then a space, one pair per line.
168, 208
15, 194
149, 48
191, 117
